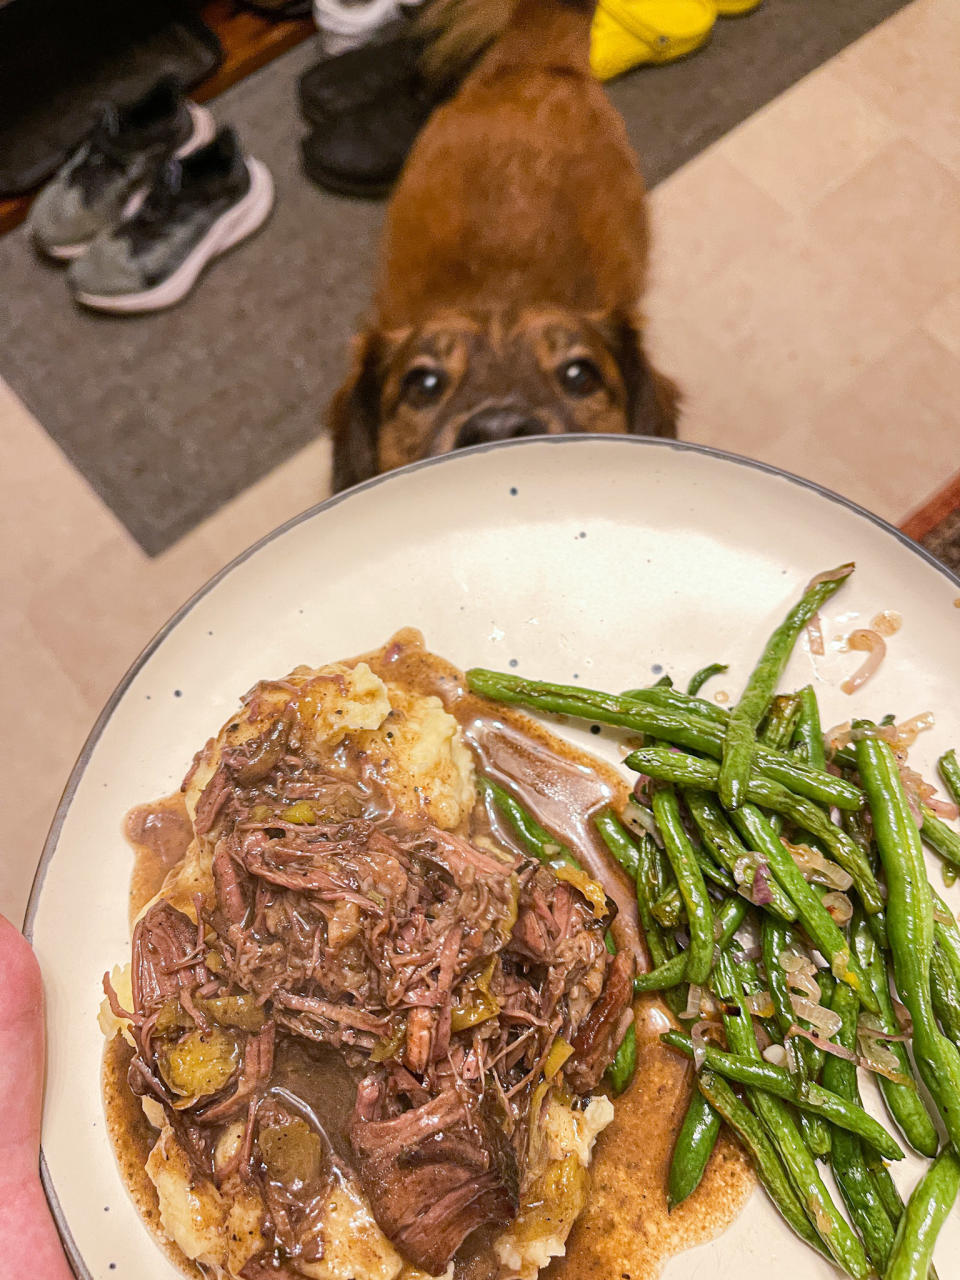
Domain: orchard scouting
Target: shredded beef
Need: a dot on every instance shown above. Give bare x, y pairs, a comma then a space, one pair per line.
435, 1173
443, 973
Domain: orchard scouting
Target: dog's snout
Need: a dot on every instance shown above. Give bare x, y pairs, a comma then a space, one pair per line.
498, 424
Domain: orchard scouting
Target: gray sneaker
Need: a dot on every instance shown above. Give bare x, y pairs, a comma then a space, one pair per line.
198, 207
116, 162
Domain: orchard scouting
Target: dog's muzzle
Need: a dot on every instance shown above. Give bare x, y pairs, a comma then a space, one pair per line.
498, 424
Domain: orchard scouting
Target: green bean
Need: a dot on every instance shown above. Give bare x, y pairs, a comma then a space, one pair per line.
808, 734
692, 1150
813, 915
946, 933
775, 939
661, 873
537, 840
939, 837
945, 969
668, 908
769, 1169
857, 1187
910, 925
777, 728
636, 855
621, 1070
949, 768
739, 742
700, 678
839, 1240
686, 771
775, 1080
856, 828
670, 700
945, 995
666, 975
903, 1102
716, 874
727, 919
633, 857
637, 859
666, 810
684, 729
723, 842
926, 1212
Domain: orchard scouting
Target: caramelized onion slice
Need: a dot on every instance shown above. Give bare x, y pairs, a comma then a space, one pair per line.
874, 645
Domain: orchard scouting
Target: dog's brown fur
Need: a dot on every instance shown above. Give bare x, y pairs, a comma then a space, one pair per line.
513, 264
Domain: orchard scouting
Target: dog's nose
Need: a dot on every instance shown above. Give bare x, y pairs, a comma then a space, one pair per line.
498, 424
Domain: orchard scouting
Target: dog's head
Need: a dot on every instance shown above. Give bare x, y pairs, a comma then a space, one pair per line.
460, 380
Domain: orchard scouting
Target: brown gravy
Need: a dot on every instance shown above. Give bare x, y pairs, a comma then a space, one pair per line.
159, 834
625, 1231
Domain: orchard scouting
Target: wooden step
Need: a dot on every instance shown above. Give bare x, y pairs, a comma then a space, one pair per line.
249, 42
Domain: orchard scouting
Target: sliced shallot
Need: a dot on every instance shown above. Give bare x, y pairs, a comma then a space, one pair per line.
943, 808
698, 1036
816, 868
805, 983
875, 647
641, 821
823, 1020
839, 906
760, 1003
822, 1043
867, 1028
694, 1000
760, 892
878, 1058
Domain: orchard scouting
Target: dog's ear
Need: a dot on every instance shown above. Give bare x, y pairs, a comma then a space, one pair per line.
354, 416
653, 399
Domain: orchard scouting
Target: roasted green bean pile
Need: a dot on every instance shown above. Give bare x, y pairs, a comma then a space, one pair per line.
791, 928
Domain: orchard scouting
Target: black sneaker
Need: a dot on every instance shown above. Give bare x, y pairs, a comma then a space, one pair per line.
199, 207
118, 159
352, 80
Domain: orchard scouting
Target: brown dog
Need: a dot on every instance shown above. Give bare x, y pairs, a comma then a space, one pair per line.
514, 261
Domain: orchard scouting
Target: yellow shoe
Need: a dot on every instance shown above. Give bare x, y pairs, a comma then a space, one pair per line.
734, 8
626, 33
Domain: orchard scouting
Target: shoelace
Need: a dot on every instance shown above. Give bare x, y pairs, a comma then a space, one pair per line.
102, 141
163, 195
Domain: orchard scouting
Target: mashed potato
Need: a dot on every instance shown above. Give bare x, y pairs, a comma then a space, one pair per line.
556, 1187
220, 1229
413, 743
421, 758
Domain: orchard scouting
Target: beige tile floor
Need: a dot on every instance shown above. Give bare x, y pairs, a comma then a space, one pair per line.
806, 295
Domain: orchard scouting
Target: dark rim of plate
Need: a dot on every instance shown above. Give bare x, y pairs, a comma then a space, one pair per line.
644, 442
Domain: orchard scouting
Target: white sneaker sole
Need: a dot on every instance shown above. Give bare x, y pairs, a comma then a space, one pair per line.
204, 130
235, 225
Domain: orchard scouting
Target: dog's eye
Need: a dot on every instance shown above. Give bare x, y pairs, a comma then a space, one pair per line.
423, 385
580, 377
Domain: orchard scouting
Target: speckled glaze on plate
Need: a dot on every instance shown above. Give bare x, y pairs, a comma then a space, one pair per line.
604, 560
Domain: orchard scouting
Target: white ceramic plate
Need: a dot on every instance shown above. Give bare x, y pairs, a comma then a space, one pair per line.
598, 559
